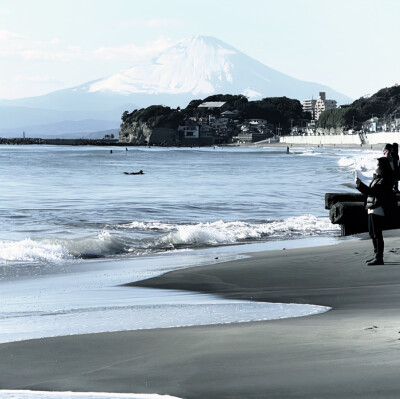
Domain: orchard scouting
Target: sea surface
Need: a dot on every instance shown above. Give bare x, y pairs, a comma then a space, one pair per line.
74, 229
67, 203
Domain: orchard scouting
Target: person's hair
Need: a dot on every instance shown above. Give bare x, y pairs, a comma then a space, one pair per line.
387, 147
384, 169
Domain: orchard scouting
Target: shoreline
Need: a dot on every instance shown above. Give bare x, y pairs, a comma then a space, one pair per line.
373, 147
350, 351
112, 278
105, 143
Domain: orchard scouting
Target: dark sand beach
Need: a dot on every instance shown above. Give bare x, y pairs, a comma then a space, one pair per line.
352, 351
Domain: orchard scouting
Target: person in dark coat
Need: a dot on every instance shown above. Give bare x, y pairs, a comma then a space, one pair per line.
381, 206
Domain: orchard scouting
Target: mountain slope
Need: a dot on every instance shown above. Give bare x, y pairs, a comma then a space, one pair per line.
203, 66
193, 68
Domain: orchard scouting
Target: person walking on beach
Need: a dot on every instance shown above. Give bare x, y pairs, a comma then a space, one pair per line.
381, 204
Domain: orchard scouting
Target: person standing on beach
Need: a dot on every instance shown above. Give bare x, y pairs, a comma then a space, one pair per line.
395, 157
391, 152
387, 153
381, 204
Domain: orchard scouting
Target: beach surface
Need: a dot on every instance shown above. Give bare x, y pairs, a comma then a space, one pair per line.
351, 351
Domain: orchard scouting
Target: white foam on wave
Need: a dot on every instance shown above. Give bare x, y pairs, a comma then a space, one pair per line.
309, 154
27, 394
58, 249
221, 232
364, 164
147, 226
165, 236
30, 250
184, 310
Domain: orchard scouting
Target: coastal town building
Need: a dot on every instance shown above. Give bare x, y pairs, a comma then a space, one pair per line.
211, 105
190, 131
309, 106
316, 107
253, 130
322, 104
223, 129
374, 125
212, 122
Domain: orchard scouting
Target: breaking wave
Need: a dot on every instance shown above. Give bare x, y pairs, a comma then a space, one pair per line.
140, 238
220, 232
364, 164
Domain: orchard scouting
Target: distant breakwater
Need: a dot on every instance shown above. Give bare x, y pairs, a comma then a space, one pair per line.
27, 141
101, 142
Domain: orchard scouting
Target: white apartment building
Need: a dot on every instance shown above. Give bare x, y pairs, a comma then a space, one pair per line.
316, 107
309, 106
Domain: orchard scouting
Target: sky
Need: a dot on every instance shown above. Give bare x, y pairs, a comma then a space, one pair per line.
48, 45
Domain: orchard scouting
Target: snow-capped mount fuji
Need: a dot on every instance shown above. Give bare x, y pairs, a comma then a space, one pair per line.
194, 68
201, 66
197, 65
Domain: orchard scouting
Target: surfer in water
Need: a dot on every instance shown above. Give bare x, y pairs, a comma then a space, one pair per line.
134, 173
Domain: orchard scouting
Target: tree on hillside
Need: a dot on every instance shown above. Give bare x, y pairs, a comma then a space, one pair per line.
384, 103
155, 116
281, 111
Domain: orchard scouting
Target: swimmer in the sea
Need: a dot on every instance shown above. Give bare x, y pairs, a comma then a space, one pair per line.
134, 173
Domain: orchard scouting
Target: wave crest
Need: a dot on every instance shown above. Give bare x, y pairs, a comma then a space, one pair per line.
30, 250
138, 238
217, 233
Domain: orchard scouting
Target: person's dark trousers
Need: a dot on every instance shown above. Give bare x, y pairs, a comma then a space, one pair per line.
375, 228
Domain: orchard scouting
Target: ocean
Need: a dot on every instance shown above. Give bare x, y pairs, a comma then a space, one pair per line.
75, 228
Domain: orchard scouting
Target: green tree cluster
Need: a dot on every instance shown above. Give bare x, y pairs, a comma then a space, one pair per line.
384, 104
281, 111
154, 116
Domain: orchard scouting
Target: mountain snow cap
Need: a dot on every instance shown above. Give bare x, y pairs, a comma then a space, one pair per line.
197, 65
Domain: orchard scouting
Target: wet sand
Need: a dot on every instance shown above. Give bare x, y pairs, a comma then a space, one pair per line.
352, 351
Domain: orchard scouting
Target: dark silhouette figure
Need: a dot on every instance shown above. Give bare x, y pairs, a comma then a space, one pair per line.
381, 205
134, 173
395, 158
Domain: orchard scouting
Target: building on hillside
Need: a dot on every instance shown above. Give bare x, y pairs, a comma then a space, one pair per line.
316, 107
373, 125
257, 122
230, 114
250, 136
322, 104
396, 124
253, 130
190, 131
309, 106
213, 105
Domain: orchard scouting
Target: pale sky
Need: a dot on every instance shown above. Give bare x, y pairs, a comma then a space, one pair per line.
47, 45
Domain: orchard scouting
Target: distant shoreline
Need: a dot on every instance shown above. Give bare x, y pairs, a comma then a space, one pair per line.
338, 146
100, 142
40, 141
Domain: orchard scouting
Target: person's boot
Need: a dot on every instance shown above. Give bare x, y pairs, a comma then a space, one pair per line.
371, 259
378, 261
375, 244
